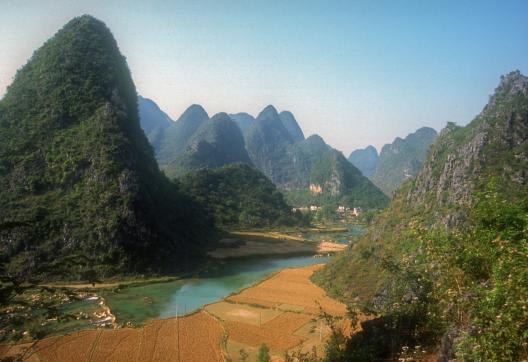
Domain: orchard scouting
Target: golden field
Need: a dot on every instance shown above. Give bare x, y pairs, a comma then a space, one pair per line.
281, 311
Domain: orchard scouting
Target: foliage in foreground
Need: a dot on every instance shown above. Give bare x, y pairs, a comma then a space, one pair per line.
470, 285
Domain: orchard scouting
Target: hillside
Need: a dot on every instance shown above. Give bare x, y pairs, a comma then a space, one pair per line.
176, 137
153, 120
446, 258
238, 195
290, 123
324, 176
402, 159
243, 120
267, 142
366, 160
80, 190
216, 143
295, 166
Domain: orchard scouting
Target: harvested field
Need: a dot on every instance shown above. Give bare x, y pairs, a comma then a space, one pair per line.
196, 337
280, 311
278, 333
293, 287
242, 313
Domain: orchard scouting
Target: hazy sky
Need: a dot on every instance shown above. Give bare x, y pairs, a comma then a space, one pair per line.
355, 72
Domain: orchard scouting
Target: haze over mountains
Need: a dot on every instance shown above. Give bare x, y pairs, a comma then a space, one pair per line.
273, 143
396, 162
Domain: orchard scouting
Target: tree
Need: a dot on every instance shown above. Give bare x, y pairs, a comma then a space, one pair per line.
263, 353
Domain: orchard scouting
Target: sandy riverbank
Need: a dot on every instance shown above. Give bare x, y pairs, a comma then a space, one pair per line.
273, 244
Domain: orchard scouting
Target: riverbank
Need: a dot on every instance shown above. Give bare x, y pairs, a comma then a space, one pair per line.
244, 244
281, 310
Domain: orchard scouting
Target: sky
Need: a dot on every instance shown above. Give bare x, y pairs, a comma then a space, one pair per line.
355, 72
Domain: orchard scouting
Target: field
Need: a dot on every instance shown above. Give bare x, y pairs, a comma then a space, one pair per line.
291, 287
281, 311
289, 304
196, 337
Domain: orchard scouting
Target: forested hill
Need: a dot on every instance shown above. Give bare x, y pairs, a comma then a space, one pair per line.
218, 142
307, 170
238, 195
80, 190
446, 262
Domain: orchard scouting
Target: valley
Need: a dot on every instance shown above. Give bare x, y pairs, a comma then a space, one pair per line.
152, 230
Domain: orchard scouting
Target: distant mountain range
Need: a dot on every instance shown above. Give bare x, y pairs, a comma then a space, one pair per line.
274, 143
397, 161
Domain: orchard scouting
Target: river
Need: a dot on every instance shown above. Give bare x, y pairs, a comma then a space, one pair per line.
162, 300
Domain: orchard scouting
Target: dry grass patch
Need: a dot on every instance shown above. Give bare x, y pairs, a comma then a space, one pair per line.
242, 313
293, 287
278, 333
195, 337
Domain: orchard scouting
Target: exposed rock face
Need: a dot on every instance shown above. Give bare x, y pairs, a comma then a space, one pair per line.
461, 162
495, 144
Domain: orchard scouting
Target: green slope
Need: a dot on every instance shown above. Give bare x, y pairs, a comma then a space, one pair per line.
175, 138
79, 186
238, 195
216, 143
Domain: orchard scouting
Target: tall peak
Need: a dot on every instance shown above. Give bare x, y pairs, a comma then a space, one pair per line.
268, 111
194, 112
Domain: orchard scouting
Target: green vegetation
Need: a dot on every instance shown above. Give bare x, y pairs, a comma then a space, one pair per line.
173, 140
79, 186
216, 143
238, 196
263, 354
446, 263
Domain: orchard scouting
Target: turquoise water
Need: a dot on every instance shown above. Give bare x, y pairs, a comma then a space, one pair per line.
163, 300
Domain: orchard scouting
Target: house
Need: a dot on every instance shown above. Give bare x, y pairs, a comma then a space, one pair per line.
356, 211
